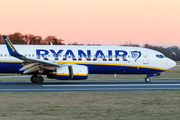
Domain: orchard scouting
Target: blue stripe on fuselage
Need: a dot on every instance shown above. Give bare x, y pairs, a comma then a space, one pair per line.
111, 69
8, 67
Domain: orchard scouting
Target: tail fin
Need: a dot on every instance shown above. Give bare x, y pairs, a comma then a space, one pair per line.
10, 47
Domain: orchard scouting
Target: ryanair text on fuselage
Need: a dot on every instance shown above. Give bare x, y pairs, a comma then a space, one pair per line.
118, 54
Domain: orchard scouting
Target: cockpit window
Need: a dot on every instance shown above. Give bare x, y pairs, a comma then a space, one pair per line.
160, 56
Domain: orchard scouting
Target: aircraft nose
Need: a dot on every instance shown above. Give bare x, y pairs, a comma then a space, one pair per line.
171, 63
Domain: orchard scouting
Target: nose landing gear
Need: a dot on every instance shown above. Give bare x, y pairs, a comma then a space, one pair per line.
147, 79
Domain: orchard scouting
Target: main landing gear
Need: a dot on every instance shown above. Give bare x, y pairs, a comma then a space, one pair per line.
37, 79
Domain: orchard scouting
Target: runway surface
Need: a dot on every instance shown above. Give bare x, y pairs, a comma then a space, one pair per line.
50, 86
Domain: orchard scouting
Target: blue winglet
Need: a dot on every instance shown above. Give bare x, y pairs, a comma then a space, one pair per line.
10, 47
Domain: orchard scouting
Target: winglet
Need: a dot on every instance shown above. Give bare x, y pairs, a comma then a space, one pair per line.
10, 47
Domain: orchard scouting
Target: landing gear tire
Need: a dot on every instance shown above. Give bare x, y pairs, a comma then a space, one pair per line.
33, 78
147, 79
39, 79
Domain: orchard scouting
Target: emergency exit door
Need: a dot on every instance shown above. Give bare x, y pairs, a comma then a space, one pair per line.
145, 58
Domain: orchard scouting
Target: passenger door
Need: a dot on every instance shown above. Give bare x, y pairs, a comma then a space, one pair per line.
145, 58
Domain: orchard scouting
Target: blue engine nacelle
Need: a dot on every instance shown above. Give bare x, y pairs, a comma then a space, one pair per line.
72, 72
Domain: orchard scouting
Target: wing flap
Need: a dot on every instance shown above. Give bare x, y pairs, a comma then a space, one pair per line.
27, 66
32, 69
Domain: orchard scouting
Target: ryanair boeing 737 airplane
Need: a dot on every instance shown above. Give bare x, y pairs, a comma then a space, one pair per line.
76, 62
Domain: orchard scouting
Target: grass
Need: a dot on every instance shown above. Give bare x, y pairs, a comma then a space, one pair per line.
117, 105
112, 105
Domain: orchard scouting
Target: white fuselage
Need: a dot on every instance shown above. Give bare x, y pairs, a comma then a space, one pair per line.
98, 59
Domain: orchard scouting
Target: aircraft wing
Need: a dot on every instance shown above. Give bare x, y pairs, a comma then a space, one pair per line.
13, 52
44, 62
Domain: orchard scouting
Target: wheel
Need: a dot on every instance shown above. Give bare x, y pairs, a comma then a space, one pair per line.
39, 79
147, 79
33, 78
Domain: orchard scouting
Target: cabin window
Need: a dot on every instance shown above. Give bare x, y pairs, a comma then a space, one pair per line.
160, 56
